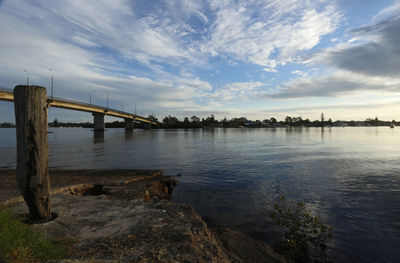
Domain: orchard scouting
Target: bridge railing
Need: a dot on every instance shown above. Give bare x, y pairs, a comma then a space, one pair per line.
49, 98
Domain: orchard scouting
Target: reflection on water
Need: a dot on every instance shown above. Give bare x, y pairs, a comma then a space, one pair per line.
98, 136
128, 135
232, 176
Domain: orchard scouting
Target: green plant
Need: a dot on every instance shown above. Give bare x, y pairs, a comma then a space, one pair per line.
305, 237
24, 243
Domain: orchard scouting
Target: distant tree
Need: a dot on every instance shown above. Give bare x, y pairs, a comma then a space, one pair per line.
224, 122
55, 123
322, 118
170, 122
297, 121
152, 118
210, 121
6, 125
288, 120
195, 119
186, 122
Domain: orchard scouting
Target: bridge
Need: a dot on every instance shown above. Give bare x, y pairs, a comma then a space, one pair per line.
98, 112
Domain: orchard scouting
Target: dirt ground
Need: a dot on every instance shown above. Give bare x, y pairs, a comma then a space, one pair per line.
62, 178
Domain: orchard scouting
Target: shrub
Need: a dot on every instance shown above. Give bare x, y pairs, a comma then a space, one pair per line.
305, 237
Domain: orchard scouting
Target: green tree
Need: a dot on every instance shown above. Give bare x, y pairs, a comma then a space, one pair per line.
195, 119
224, 122
152, 118
170, 122
186, 122
55, 123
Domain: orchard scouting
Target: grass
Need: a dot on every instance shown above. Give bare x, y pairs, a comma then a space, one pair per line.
20, 242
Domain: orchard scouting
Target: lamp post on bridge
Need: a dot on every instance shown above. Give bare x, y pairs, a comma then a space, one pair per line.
90, 97
51, 83
27, 77
107, 98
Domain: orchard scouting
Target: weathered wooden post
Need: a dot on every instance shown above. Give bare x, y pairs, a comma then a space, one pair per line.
32, 149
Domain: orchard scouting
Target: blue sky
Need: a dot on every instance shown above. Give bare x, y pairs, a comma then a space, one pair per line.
257, 59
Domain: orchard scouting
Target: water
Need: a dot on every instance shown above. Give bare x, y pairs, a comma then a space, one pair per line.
349, 176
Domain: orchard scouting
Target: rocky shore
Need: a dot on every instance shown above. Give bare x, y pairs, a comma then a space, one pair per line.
127, 217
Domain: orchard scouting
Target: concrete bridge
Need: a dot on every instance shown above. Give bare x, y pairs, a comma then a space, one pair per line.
98, 112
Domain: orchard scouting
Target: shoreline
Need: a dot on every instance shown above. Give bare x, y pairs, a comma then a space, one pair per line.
63, 179
127, 216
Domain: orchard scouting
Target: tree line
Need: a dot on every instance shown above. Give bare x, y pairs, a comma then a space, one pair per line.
169, 122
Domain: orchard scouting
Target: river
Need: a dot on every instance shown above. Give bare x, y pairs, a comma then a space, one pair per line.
350, 177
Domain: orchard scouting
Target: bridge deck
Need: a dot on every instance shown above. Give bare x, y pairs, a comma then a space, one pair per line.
8, 95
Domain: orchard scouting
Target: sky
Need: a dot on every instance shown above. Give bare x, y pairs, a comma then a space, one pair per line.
253, 59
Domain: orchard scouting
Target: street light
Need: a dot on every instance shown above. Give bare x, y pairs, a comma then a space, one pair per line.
51, 83
27, 78
107, 98
90, 97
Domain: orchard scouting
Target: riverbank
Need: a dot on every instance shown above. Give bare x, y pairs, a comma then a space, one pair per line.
126, 216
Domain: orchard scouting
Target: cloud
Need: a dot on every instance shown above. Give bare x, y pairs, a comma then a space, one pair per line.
341, 106
334, 85
270, 70
375, 53
368, 62
387, 13
237, 90
269, 33
80, 40
177, 32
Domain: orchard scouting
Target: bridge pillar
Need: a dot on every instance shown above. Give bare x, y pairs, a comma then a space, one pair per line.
129, 124
98, 120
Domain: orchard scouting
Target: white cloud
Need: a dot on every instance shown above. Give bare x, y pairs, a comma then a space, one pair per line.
238, 90
374, 50
261, 33
270, 70
83, 41
268, 33
387, 13
367, 63
336, 84
298, 72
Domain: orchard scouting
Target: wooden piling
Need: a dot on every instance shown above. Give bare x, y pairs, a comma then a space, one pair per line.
33, 180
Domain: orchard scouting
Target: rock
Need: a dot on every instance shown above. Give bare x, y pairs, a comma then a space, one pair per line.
246, 249
114, 228
147, 195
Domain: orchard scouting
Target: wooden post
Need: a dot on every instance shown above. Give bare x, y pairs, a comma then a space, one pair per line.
32, 149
